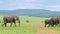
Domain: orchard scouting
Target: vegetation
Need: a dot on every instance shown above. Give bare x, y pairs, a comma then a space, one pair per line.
26, 28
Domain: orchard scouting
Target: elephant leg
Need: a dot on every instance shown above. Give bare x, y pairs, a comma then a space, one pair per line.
57, 24
19, 23
45, 24
5, 24
11, 25
52, 25
15, 23
49, 25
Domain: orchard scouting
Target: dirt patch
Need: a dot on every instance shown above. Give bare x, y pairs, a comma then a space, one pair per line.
50, 31
40, 31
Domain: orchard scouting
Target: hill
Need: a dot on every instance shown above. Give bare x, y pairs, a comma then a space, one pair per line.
30, 12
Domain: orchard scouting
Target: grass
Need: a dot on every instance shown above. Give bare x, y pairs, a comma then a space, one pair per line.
57, 29
26, 28
23, 29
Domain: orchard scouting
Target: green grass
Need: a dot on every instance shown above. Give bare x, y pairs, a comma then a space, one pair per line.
23, 29
26, 28
57, 29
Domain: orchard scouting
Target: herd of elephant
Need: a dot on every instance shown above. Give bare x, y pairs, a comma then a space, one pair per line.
54, 21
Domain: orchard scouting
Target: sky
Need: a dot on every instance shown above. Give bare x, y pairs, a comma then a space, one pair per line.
53, 5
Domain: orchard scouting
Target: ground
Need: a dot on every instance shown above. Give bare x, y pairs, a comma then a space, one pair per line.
35, 26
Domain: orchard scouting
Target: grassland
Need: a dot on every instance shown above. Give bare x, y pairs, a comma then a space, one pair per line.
26, 28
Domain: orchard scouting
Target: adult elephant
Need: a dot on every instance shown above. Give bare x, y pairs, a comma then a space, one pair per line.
10, 19
48, 22
58, 20
53, 21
